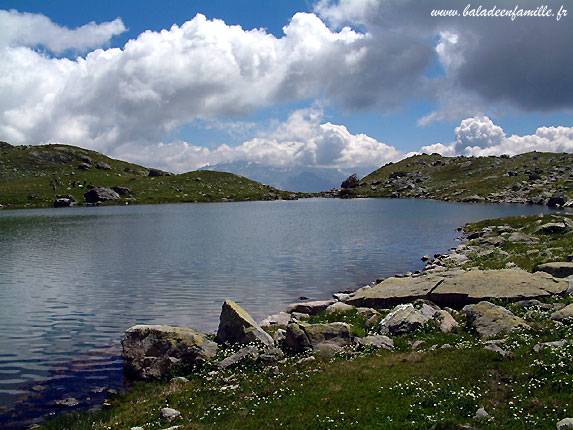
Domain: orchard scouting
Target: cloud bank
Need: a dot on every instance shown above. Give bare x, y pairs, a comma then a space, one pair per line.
479, 136
302, 140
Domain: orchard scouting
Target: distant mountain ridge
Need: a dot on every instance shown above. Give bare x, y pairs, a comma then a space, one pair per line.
303, 179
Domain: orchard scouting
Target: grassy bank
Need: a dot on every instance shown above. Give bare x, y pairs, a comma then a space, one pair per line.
534, 177
438, 385
34, 176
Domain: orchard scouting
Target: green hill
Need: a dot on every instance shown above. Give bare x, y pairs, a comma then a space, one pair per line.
35, 176
535, 178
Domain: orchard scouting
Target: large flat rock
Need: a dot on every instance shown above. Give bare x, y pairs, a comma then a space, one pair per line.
463, 287
457, 288
394, 291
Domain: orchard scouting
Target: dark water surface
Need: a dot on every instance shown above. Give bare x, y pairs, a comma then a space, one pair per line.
73, 280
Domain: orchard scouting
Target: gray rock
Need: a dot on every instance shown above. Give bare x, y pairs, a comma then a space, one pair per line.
556, 344
521, 237
64, 202
564, 315
339, 307
282, 318
271, 355
566, 423
122, 191
300, 316
497, 348
403, 319
489, 320
553, 228
100, 194
102, 165
179, 380
311, 308
246, 354
237, 326
327, 349
558, 269
279, 336
341, 297
157, 172
150, 351
416, 344
84, 166
375, 342
481, 414
462, 287
170, 413
446, 321
351, 182
303, 336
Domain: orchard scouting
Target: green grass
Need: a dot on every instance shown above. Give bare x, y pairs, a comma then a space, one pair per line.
428, 389
551, 247
28, 172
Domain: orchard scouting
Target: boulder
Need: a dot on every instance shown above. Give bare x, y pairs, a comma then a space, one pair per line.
339, 307
351, 182
459, 288
282, 318
84, 166
100, 194
64, 201
157, 172
565, 423
102, 165
552, 228
375, 342
403, 319
311, 308
521, 237
326, 349
558, 269
122, 191
150, 351
303, 336
248, 353
445, 321
237, 326
564, 315
393, 291
489, 320
170, 413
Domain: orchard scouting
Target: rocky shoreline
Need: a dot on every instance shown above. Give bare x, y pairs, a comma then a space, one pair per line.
447, 295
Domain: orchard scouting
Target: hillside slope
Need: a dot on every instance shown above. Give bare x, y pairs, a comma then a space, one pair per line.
534, 178
35, 176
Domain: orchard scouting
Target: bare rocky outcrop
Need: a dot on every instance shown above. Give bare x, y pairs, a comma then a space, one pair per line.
558, 269
150, 351
237, 326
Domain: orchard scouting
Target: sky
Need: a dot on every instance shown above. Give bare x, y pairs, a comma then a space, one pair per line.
348, 84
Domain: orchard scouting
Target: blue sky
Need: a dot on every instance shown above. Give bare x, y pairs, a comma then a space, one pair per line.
396, 80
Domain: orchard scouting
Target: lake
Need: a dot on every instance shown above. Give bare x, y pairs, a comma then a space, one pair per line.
73, 280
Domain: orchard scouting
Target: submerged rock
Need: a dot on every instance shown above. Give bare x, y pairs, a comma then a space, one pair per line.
150, 351
237, 326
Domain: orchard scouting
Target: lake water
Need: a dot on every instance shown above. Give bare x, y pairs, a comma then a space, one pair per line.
73, 280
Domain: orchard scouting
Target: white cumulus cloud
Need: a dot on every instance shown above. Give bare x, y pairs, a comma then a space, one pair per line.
479, 136
28, 29
302, 140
